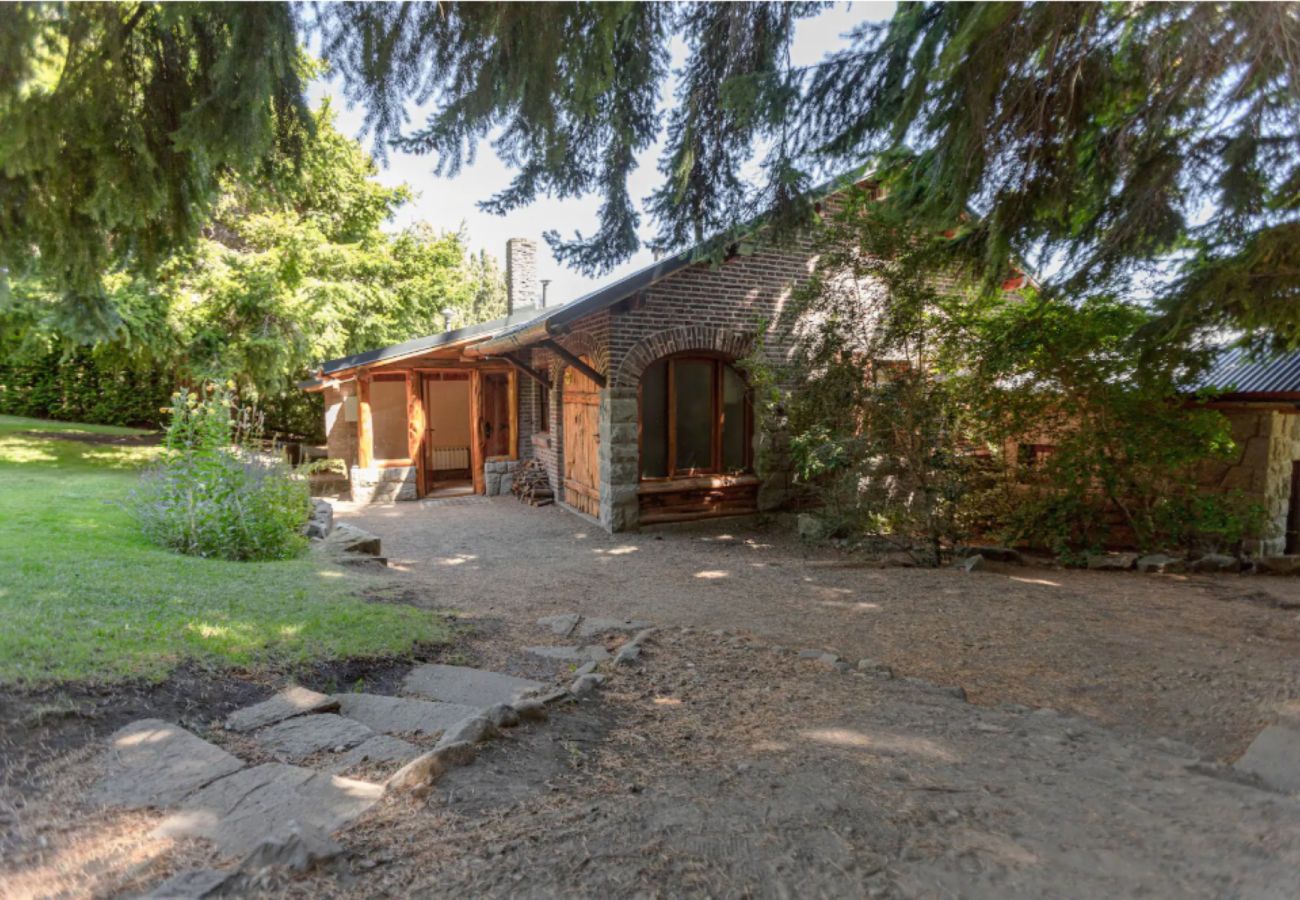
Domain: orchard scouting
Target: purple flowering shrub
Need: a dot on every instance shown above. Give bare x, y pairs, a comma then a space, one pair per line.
215, 492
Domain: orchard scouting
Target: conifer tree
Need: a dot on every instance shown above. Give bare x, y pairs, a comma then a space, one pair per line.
1149, 149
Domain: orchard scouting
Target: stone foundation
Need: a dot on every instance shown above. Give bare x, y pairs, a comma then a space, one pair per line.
383, 485
499, 476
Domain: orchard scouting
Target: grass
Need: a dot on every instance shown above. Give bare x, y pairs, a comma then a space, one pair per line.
84, 597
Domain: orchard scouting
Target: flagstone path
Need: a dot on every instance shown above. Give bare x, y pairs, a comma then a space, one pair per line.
214, 794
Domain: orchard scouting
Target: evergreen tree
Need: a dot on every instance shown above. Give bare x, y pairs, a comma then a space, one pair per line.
1151, 147
1143, 148
118, 124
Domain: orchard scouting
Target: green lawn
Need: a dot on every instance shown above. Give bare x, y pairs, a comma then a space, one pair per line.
84, 597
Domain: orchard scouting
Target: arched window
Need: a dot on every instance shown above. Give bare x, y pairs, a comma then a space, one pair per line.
696, 418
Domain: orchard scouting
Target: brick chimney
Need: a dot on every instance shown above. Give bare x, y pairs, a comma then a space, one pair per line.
521, 275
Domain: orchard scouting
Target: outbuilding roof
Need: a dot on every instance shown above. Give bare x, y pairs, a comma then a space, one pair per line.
419, 345
1237, 373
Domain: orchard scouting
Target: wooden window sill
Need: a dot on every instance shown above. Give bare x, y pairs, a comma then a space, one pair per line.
696, 482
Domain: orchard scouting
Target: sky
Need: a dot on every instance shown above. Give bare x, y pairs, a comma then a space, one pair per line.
451, 203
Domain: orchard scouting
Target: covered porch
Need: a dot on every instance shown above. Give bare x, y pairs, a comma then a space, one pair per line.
429, 424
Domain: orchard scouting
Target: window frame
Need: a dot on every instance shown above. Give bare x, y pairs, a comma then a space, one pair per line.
719, 363
543, 394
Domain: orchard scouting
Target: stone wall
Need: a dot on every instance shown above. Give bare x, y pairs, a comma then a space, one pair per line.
499, 476
377, 484
716, 308
521, 274
1268, 442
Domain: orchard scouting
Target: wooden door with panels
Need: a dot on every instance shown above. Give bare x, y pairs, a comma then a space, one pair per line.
495, 427
581, 405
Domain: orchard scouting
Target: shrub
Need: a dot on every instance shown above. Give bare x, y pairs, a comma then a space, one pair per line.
216, 493
918, 393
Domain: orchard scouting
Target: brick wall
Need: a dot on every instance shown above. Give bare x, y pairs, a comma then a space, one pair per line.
721, 308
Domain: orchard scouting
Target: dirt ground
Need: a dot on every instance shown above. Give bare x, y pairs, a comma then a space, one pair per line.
727, 766
1201, 659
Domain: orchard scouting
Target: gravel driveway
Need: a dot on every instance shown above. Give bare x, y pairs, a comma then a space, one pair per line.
1091, 762
1202, 659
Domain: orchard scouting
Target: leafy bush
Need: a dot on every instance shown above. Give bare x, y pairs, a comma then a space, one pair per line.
216, 493
919, 392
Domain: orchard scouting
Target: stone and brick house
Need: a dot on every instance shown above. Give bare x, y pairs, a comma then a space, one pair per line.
629, 396
631, 400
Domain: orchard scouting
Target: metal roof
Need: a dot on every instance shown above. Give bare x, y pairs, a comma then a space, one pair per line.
553, 318
428, 342
552, 321
1237, 372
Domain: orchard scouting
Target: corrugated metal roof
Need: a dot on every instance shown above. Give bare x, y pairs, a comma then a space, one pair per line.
1238, 372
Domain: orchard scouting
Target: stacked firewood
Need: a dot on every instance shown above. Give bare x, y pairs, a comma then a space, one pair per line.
532, 486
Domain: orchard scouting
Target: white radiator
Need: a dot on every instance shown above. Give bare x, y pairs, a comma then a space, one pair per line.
445, 458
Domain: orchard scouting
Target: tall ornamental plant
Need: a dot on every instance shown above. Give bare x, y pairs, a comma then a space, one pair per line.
216, 492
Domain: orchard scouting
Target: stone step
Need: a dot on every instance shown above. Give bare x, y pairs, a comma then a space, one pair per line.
402, 715
290, 702
302, 736
236, 812
1274, 757
578, 654
156, 763
471, 687
578, 625
381, 748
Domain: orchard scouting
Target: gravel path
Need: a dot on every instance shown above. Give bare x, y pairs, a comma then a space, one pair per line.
1204, 660
723, 764
725, 769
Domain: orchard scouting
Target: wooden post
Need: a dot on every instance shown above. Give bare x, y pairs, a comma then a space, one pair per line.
575, 362
365, 427
514, 414
415, 430
476, 432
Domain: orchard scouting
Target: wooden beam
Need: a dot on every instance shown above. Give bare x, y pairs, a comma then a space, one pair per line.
476, 431
528, 370
513, 400
365, 428
575, 362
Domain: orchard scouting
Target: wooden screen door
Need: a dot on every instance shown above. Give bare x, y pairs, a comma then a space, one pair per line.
581, 404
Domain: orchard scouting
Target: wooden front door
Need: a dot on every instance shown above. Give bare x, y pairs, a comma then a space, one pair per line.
581, 405
494, 415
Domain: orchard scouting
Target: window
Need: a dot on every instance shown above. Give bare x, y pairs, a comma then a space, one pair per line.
388, 416
695, 418
543, 408
1033, 456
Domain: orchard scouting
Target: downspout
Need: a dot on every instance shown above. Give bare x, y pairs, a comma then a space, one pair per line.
507, 343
